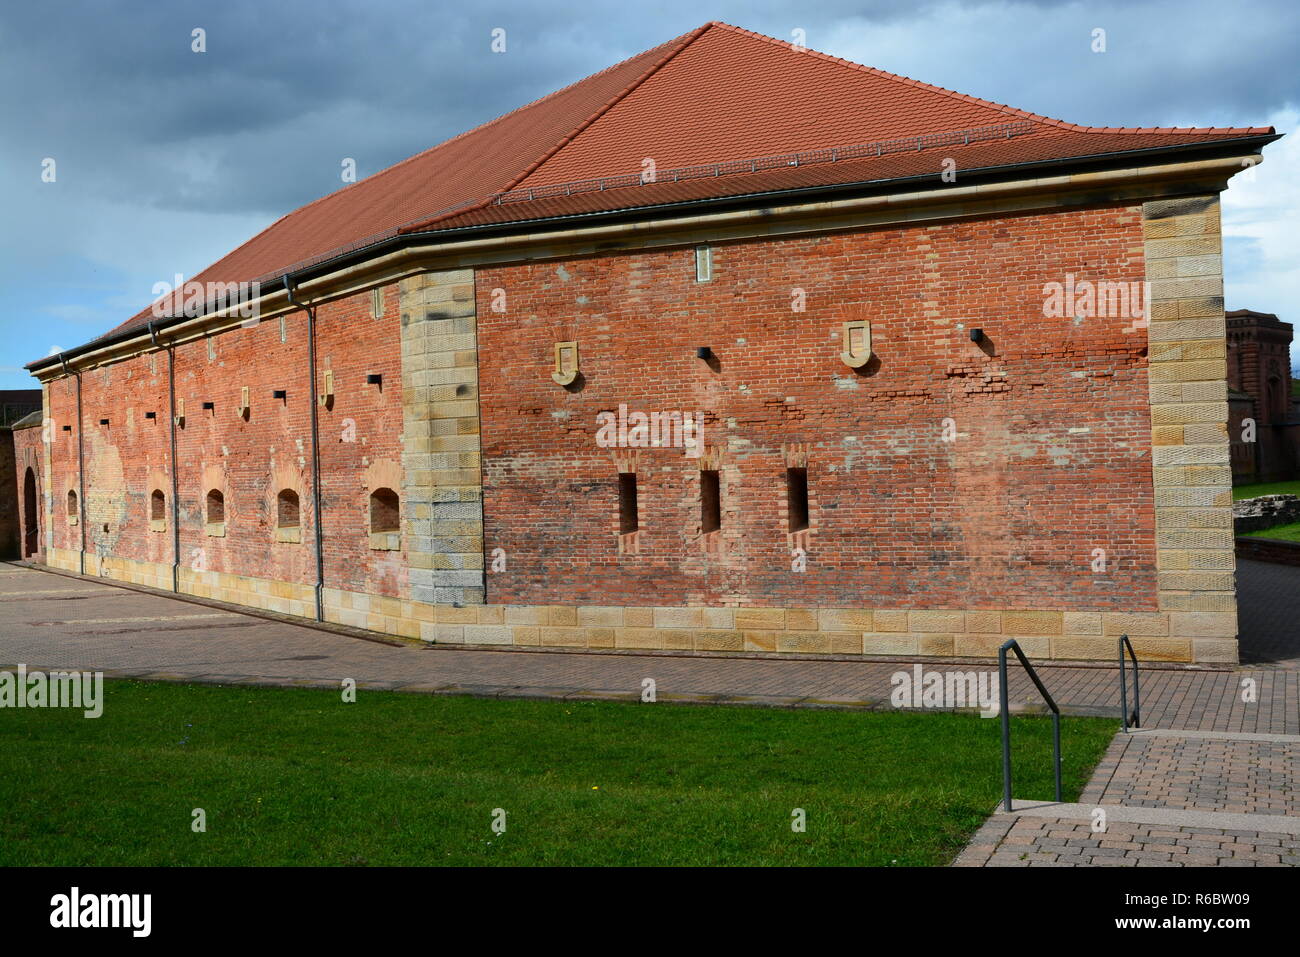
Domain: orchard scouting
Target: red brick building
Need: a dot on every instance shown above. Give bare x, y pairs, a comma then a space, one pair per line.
19, 408
1264, 420
25, 479
731, 347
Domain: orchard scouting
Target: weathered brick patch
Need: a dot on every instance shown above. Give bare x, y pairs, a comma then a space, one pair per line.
1004, 517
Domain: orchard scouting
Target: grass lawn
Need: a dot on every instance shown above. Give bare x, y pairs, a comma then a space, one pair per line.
295, 776
1288, 533
1265, 488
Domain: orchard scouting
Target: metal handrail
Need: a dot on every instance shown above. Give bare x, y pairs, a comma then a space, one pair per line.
1006, 719
1136, 717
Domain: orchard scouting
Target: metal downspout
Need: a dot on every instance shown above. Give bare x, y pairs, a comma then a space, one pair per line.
289, 289
81, 468
171, 415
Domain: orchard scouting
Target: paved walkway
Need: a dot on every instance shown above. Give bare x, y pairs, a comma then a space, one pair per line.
1200, 771
1162, 797
1198, 790
1215, 785
49, 620
1029, 841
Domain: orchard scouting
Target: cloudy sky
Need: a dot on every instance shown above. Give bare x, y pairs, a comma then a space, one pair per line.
167, 159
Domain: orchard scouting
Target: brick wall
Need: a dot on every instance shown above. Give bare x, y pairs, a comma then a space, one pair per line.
1039, 518
29, 456
64, 530
250, 458
360, 438
10, 521
1259, 365
1051, 458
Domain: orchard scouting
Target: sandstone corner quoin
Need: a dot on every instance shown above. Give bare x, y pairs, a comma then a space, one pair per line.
902, 450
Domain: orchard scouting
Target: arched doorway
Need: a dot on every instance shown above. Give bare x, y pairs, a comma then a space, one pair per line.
31, 528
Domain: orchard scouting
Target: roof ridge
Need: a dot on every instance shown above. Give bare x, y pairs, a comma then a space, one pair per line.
907, 80
676, 46
1004, 107
503, 116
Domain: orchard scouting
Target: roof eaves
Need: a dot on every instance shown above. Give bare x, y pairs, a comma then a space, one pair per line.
29, 421
1081, 161
1252, 136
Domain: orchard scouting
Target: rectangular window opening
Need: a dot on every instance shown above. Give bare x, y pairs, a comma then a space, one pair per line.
710, 502
796, 492
627, 512
703, 263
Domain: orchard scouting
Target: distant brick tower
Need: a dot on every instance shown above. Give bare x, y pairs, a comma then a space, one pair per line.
1259, 387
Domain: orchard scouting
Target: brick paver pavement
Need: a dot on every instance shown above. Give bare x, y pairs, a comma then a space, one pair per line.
1007, 841
1171, 799
58, 621
1237, 775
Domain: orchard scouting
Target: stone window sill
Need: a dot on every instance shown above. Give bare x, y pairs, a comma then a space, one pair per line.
157, 524
289, 535
386, 541
72, 520
215, 529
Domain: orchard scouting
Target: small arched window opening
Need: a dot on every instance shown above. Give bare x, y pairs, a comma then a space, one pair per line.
287, 517
1277, 400
72, 503
216, 507
384, 511
157, 511
31, 523
286, 509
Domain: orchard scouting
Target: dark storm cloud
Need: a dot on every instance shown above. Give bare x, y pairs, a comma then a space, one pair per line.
168, 158
261, 121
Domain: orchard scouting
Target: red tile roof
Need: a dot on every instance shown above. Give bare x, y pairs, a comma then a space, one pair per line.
716, 94
983, 155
